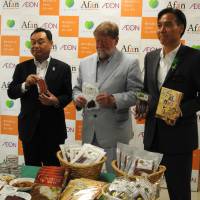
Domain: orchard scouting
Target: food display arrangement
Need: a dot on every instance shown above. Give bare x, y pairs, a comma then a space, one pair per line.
77, 177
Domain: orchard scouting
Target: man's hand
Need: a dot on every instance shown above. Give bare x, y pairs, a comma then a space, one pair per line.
141, 109
48, 99
171, 122
106, 100
80, 101
31, 80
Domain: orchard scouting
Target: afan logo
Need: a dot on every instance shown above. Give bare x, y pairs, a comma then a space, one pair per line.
28, 44
195, 6
10, 23
9, 103
11, 4
89, 5
153, 3
69, 3
5, 85
8, 65
50, 26
111, 5
29, 25
194, 28
196, 47
131, 27
68, 47
89, 25
31, 4
149, 49
130, 49
176, 4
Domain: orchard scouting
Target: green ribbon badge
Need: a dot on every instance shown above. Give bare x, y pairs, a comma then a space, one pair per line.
174, 63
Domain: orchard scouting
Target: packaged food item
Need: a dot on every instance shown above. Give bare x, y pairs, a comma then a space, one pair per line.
89, 154
42, 86
142, 165
140, 189
84, 189
90, 92
49, 183
169, 104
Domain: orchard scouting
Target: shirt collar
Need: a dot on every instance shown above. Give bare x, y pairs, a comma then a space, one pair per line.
171, 53
37, 63
109, 59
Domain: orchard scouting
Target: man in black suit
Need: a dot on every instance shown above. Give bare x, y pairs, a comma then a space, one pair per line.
41, 121
174, 66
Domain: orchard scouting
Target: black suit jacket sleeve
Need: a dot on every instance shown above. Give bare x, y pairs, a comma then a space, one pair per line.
14, 89
66, 97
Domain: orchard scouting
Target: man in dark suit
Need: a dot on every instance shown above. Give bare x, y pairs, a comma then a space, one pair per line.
176, 67
41, 121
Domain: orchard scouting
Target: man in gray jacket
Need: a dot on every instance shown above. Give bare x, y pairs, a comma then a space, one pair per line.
117, 77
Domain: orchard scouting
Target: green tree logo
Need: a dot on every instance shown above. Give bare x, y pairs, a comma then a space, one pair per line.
10, 23
153, 3
89, 24
69, 3
9, 103
196, 47
28, 44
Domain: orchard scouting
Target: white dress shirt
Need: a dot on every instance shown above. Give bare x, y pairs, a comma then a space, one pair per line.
165, 64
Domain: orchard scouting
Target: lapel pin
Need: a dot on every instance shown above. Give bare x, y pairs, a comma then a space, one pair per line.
53, 68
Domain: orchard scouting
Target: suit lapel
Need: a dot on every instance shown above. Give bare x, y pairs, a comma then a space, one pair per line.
110, 68
51, 70
155, 66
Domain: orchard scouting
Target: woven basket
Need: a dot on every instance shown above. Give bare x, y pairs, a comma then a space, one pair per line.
91, 171
153, 178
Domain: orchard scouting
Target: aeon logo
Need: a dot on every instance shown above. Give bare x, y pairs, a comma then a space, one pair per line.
68, 47
112, 5
31, 4
195, 6
9, 103
9, 144
10, 23
131, 27
149, 49
70, 129
50, 26
153, 3
8, 65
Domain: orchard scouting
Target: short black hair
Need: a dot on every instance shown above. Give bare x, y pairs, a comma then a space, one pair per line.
180, 16
48, 32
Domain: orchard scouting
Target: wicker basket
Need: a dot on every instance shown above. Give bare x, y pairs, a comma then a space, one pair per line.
91, 171
153, 178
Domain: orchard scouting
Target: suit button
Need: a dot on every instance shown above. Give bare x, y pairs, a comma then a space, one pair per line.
95, 115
